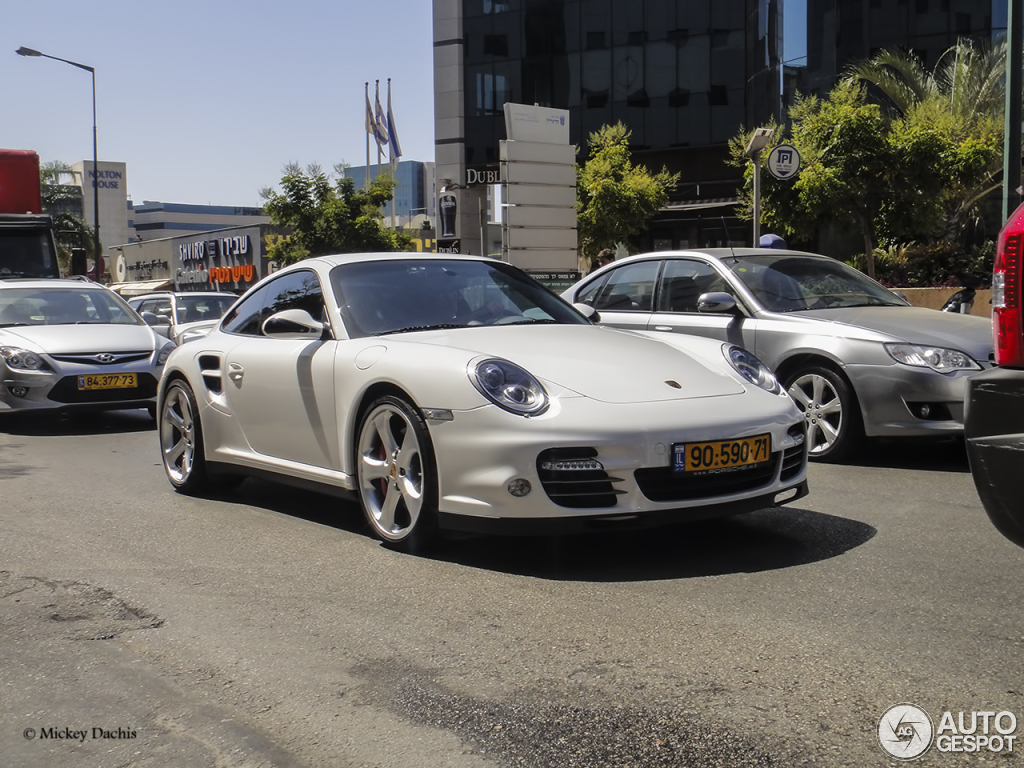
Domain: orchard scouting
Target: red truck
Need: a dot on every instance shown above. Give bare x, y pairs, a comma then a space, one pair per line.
27, 245
994, 401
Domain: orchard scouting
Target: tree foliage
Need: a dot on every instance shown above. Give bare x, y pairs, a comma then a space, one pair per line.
615, 198
328, 215
62, 199
890, 176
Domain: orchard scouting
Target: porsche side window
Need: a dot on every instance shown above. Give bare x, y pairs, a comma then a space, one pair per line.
682, 283
296, 290
245, 317
630, 288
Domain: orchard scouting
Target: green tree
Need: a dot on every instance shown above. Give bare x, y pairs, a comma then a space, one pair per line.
615, 198
62, 199
962, 99
328, 216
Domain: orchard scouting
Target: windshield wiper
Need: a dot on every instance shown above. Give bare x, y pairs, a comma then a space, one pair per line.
411, 328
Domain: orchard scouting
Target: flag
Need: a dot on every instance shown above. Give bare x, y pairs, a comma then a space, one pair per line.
371, 124
381, 121
396, 148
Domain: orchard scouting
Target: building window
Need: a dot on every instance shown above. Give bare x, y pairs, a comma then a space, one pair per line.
495, 45
678, 37
718, 96
637, 38
680, 97
595, 41
491, 93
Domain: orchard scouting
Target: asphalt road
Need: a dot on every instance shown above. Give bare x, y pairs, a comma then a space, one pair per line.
143, 628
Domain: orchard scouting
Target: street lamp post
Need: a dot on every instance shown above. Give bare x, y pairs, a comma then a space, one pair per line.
757, 142
98, 255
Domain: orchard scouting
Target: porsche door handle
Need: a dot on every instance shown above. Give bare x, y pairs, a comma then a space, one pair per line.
235, 372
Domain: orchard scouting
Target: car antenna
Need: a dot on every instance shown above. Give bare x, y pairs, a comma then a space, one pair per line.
729, 242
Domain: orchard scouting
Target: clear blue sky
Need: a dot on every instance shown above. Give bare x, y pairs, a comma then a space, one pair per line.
207, 101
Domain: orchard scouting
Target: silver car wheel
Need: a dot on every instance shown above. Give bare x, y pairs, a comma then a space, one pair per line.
178, 435
391, 472
823, 410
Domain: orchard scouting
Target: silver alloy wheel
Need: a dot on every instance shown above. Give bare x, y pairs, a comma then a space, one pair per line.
823, 410
390, 472
177, 435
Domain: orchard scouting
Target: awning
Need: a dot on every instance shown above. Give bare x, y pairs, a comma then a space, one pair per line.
693, 205
138, 287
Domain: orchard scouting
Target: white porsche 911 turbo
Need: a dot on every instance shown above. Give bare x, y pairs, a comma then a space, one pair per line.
456, 392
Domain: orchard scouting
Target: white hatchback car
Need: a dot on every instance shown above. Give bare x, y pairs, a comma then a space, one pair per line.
455, 391
74, 345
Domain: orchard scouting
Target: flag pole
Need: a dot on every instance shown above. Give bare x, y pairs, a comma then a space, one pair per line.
391, 157
366, 89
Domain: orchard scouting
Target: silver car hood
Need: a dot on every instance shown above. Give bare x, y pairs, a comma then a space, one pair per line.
603, 364
914, 325
72, 339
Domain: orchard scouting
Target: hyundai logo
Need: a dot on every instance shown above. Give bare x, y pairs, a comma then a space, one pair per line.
105, 357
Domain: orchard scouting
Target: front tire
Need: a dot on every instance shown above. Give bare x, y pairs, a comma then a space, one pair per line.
397, 474
835, 429
181, 440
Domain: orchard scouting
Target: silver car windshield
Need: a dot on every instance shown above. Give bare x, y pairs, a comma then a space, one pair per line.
63, 306
792, 283
197, 308
396, 296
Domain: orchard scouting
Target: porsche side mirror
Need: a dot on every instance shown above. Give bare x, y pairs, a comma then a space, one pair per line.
293, 324
716, 302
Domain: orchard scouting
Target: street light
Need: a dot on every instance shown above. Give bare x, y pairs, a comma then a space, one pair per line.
757, 142
95, 161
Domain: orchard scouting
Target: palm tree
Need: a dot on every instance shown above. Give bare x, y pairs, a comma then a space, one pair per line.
968, 85
968, 78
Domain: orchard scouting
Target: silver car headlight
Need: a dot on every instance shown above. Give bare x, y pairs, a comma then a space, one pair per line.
751, 368
165, 352
19, 359
939, 359
507, 385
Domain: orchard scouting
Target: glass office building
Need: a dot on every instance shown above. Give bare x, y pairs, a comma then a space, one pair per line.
683, 75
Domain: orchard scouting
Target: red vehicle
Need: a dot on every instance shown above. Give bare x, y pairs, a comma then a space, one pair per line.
994, 403
27, 246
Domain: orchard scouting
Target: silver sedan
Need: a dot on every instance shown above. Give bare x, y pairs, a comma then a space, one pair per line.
858, 359
71, 345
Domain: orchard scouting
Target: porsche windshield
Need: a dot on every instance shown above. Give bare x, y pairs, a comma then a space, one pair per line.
790, 283
63, 306
395, 296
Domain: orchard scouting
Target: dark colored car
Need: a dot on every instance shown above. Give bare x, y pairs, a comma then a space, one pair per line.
994, 401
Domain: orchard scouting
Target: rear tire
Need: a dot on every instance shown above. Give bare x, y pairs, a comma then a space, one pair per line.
835, 429
397, 475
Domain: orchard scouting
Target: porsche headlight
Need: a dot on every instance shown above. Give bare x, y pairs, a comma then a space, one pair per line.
507, 385
165, 352
19, 359
939, 359
750, 368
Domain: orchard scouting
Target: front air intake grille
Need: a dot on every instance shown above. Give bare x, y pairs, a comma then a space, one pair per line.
576, 488
661, 484
66, 391
793, 459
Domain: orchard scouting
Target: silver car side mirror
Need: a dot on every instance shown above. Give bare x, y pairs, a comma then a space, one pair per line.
716, 302
587, 311
293, 324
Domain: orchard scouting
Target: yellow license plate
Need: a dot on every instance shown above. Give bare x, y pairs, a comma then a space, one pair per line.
107, 381
721, 455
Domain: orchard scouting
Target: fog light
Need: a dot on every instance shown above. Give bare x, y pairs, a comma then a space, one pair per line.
519, 487
18, 391
926, 410
572, 465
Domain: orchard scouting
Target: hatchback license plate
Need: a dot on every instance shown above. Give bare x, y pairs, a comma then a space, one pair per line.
107, 381
721, 455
